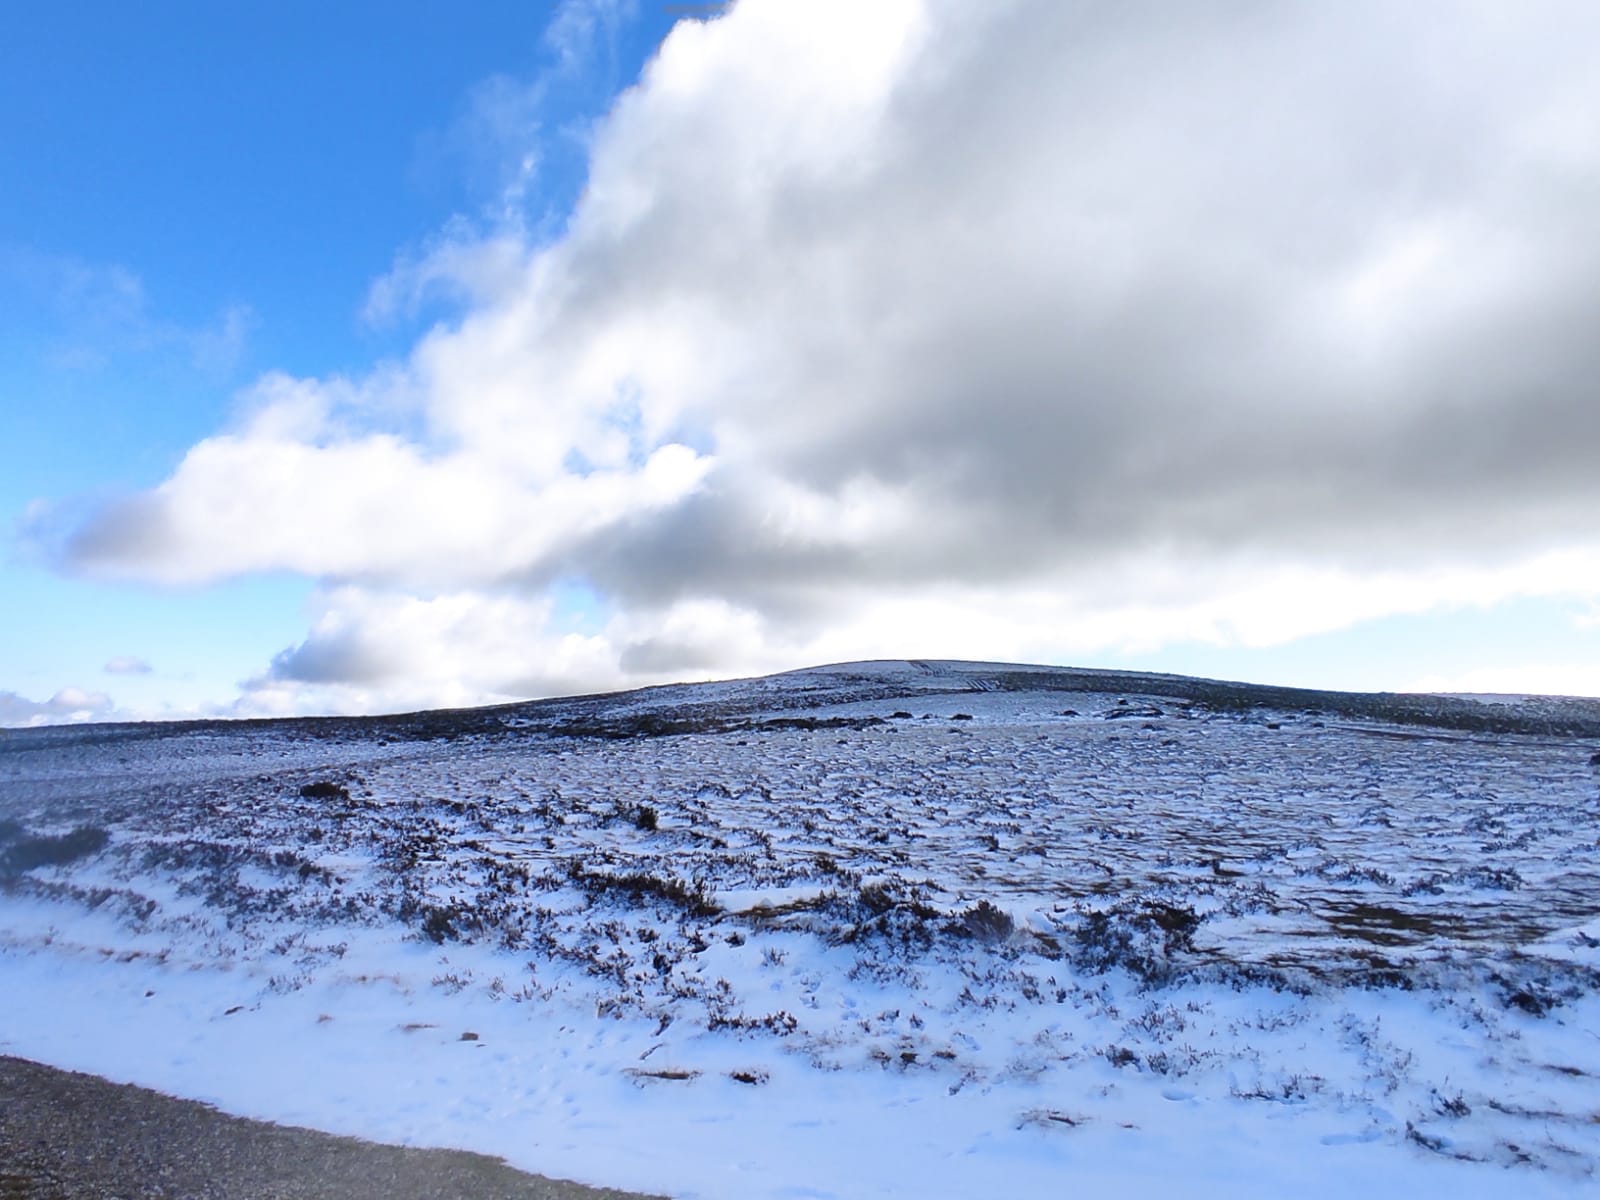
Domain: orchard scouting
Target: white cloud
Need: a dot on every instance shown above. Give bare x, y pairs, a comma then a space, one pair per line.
127, 665
292, 490
1527, 679
578, 27
460, 266
70, 705
373, 650
1015, 329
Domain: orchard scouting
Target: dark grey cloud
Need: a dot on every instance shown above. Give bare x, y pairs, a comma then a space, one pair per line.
663, 656
1256, 277
342, 655
131, 529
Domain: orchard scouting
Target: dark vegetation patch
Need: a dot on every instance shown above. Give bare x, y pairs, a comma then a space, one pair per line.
679, 724
1388, 926
1124, 709
673, 1074
1539, 988
813, 723
325, 790
448, 922
131, 904
763, 915
983, 922
638, 725
693, 897
781, 1023
1145, 938
24, 852
889, 913
1121, 1056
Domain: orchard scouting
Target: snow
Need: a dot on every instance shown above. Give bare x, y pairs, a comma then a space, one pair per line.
1192, 951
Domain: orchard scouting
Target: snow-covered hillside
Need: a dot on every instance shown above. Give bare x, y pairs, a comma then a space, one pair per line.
883, 929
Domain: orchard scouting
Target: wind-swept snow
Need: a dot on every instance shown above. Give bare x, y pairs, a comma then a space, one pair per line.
887, 929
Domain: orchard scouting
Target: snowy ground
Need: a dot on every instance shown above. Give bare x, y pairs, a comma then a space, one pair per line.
910, 930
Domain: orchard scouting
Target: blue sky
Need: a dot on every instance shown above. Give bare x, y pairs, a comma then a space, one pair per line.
173, 167
378, 357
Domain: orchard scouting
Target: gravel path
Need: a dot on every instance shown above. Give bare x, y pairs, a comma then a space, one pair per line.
66, 1136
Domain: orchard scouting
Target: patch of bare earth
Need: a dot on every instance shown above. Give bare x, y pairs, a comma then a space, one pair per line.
66, 1136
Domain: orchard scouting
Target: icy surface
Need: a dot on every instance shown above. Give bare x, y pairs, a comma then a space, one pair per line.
888, 929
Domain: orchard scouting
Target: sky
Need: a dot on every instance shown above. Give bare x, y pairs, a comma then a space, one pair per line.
373, 358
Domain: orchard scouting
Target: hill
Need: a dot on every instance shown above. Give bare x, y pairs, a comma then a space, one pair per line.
898, 927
